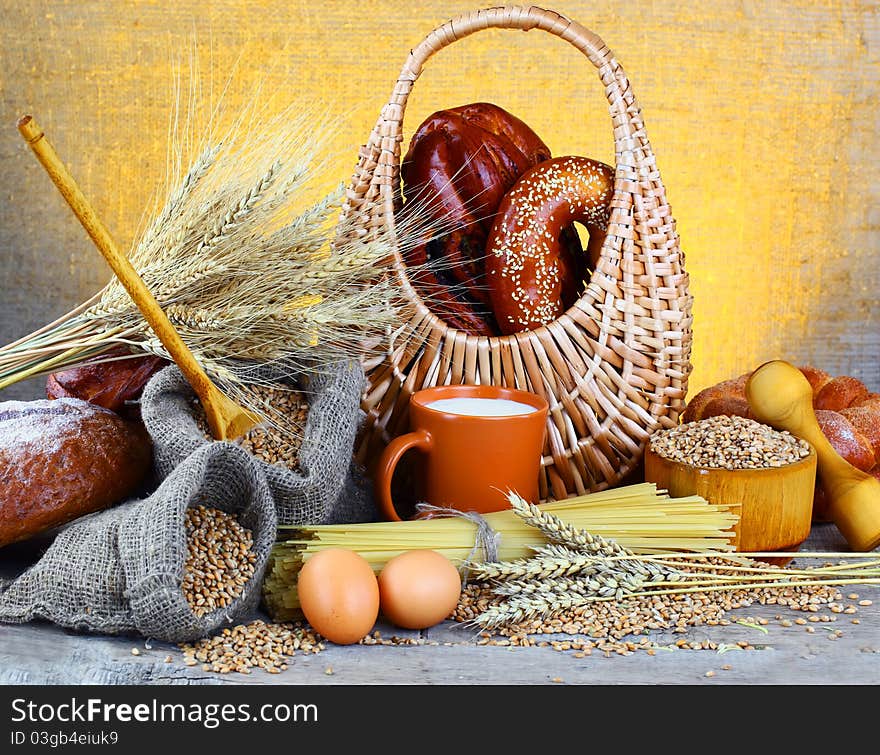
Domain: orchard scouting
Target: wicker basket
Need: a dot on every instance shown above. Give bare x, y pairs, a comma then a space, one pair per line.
614, 367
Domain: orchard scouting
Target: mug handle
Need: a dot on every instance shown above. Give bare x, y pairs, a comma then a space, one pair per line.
420, 439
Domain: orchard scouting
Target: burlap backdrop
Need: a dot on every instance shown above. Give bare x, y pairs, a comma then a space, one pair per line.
763, 116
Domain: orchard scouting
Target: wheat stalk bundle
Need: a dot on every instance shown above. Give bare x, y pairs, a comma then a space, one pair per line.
578, 568
249, 278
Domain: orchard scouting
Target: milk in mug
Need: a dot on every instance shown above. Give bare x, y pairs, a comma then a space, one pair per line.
481, 407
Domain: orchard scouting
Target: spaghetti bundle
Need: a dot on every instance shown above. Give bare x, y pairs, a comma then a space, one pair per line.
639, 517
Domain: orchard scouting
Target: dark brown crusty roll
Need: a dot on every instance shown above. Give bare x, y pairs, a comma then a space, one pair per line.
62, 459
112, 385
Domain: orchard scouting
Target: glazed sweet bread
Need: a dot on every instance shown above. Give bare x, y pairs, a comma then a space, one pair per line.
460, 164
848, 413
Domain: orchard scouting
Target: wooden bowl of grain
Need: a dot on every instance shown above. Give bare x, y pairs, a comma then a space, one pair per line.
735, 461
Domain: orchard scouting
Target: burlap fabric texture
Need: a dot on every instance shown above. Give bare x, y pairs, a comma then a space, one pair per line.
326, 487
119, 571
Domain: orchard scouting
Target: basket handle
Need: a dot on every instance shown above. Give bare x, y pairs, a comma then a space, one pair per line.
376, 178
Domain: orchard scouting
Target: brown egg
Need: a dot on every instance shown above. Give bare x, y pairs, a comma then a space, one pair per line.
418, 589
339, 595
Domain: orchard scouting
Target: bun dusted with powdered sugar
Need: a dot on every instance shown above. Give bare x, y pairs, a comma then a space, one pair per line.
63, 459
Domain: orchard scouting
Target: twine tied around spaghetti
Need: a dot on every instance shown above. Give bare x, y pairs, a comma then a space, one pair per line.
486, 537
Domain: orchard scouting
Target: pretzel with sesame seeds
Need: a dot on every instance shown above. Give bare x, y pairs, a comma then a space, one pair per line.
529, 271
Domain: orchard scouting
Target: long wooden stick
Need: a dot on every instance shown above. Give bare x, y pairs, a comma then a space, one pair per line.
780, 395
225, 417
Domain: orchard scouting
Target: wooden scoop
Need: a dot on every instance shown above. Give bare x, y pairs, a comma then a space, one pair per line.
226, 419
780, 395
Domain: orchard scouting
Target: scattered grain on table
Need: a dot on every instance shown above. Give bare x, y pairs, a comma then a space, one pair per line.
624, 627
245, 647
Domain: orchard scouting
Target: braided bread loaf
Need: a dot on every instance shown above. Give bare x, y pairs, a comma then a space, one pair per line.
848, 413
460, 164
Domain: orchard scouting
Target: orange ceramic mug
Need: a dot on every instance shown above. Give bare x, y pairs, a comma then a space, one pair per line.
473, 453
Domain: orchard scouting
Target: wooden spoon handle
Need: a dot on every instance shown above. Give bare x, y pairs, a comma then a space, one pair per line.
123, 269
781, 396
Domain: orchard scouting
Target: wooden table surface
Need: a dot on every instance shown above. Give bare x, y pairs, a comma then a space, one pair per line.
40, 653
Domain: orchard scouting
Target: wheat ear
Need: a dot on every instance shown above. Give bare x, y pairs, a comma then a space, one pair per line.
561, 532
603, 582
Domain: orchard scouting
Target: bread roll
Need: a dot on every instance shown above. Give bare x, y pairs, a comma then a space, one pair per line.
531, 274
113, 385
459, 165
62, 459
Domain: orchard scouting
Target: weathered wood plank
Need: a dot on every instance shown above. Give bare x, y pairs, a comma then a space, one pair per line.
47, 655
44, 654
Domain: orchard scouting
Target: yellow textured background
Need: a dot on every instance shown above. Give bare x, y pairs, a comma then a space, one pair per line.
762, 114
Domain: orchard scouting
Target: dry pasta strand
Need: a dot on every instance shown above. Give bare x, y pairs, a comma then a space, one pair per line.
639, 517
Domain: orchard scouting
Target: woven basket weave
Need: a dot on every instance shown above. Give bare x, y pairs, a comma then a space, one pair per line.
614, 367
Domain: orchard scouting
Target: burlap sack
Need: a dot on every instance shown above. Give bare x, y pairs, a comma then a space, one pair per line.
119, 571
326, 488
